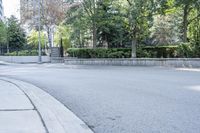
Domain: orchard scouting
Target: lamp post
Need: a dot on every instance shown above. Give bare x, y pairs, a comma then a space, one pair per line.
39, 33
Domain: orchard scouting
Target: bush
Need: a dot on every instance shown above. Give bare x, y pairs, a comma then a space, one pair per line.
99, 53
197, 49
186, 50
160, 51
24, 53
142, 53
171, 51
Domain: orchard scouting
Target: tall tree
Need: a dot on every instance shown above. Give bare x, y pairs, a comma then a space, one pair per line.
3, 35
52, 13
187, 7
139, 11
79, 24
90, 7
33, 39
111, 24
62, 33
15, 34
165, 29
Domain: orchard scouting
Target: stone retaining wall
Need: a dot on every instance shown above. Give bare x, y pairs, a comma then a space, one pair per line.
170, 62
57, 59
23, 59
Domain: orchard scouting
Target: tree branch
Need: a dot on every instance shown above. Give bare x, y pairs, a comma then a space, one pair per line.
129, 2
190, 21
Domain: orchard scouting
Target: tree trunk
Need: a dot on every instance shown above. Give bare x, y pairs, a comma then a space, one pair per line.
79, 39
49, 39
94, 35
185, 23
8, 50
134, 43
105, 42
94, 27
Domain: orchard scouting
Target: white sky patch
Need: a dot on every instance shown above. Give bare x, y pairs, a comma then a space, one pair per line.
11, 7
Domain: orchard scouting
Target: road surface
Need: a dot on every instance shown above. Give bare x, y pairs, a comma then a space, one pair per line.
113, 99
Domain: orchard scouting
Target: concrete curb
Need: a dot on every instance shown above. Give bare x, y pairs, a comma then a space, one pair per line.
3, 63
55, 116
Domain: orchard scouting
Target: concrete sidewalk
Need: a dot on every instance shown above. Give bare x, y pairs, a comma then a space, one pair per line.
25, 108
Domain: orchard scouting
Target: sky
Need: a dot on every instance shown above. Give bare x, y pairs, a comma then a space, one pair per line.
11, 7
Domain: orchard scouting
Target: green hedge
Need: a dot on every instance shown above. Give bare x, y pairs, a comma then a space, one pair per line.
99, 53
173, 51
157, 51
24, 53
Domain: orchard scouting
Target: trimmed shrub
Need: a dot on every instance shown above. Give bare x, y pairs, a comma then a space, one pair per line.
160, 51
99, 53
171, 51
186, 50
142, 53
24, 53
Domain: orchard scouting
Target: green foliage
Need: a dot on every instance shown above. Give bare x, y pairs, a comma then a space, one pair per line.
77, 24
165, 29
143, 53
160, 51
15, 34
33, 39
99, 53
62, 32
3, 33
115, 24
167, 51
111, 24
24, 53
120, 22
186, 50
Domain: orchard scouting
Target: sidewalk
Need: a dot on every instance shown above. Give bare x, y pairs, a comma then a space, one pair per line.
25, 108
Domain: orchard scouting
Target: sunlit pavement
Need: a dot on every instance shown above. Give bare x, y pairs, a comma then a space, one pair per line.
113, 99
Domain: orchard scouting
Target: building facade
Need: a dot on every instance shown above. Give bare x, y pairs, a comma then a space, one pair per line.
1, 11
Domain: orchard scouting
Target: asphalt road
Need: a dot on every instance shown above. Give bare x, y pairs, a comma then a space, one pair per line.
121, 99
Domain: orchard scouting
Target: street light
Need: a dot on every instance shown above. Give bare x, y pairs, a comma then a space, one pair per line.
39, 34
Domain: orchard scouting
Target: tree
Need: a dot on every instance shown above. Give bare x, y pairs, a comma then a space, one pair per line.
107, 27
62, 33
90, 6
187, 7
165, 29
3, 35
33, 39
116, 23
15, 34
79, 26
111, 24
52, 13
139, 12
